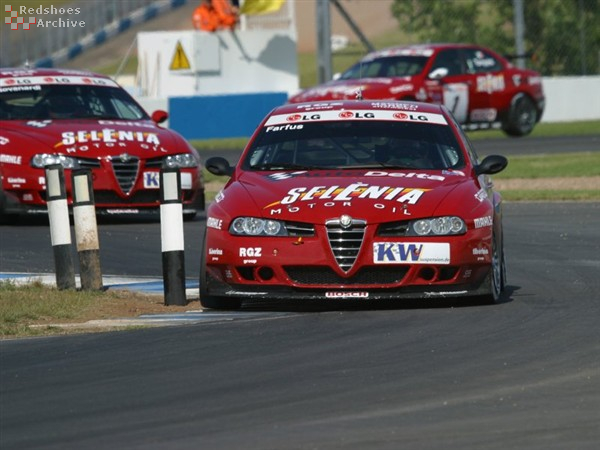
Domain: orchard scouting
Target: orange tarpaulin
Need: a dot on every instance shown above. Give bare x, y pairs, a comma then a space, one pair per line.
213, 15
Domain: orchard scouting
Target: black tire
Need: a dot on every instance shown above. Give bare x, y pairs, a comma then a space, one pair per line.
522, 117
6, 218
496, 279
207, 300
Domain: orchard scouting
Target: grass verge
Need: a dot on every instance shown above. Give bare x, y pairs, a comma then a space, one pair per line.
24, 305
580, 195
580, 164
36, 309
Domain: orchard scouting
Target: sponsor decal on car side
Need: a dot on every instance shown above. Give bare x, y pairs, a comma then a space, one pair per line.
481, 222
10, 159
213, 222
481, 195
490, 83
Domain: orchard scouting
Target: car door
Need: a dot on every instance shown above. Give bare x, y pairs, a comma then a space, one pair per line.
449, 67
486, 73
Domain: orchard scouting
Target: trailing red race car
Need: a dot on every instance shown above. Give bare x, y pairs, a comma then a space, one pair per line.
86, 120
354, 200
480, 87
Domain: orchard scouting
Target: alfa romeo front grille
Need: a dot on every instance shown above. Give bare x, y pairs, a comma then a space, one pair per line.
126, 172
345, 241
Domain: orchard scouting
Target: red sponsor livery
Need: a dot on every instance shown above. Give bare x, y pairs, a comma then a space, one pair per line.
361, 199
84, 120
481, 88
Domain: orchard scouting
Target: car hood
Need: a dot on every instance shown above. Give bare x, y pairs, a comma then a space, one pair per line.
379, 195
379, 88
92, 138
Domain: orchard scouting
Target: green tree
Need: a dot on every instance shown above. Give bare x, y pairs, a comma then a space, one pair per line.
562, 35
438, 20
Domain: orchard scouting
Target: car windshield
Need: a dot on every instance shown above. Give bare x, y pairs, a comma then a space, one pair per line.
68, 102
389, 66
355, 144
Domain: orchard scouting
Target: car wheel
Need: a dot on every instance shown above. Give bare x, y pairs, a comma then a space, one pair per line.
207, 300
522, 117
496, 278
5, 218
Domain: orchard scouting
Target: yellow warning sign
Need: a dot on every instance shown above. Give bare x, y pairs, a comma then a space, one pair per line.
180, 61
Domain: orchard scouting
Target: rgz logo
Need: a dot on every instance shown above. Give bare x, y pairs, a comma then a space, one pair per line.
14, 20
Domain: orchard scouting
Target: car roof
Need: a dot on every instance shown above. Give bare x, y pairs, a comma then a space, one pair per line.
417, 49
16, 72
341, 105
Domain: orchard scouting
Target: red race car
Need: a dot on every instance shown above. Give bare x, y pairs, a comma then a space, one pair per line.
480, 87
356, 200
86, 120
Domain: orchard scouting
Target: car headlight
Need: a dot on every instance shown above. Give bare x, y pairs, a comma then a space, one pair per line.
255, 226
437, 226
42, 160
179, 161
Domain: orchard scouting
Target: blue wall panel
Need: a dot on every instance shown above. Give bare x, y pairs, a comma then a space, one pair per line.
221, 116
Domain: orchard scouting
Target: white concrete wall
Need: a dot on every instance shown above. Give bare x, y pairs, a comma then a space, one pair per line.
570, 99
188, 63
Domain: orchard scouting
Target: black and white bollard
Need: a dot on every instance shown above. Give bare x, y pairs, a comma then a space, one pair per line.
171, 232
86, 230
60, 227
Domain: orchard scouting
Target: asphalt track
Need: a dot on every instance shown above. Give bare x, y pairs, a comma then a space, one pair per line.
524, 374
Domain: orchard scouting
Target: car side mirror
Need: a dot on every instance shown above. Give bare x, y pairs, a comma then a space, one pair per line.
159, 116
218, 165
438, 73
491, 164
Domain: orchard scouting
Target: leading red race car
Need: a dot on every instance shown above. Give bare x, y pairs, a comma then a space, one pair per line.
480, 87
84, 120
355, 200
